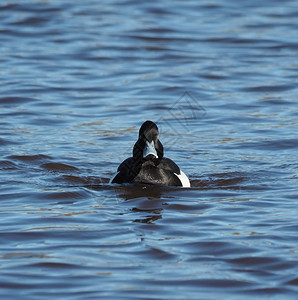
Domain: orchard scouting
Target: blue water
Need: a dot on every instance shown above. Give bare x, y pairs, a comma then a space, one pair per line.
220, 79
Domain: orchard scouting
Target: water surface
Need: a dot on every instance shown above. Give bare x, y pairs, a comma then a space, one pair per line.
77, 81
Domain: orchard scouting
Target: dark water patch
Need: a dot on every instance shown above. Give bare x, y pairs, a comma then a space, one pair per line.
35, 158
157, 38
55, 265
188, 207
200, 183
7, 165
271, 145
13, 101
14, 285
269, 88
59, 167
284, 46
293, 282
81, 181
251, 262
273, 292
288, 228
8, 6
213, 76
223, 283
293, 195
272, 101
232, 180
225, 180
30, 7
31, 21
72, 195
7, 142
237, 41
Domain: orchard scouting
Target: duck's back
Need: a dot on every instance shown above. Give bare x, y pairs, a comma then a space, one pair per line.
150, 174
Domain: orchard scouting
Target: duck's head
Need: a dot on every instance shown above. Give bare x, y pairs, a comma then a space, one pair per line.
148, 147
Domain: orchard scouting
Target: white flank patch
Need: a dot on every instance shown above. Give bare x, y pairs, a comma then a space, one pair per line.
184, 179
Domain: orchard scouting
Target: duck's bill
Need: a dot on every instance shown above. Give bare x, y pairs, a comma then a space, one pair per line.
149, 150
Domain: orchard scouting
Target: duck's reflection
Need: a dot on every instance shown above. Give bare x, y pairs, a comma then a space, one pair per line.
133, 191
141, 199
148, 198
148, 220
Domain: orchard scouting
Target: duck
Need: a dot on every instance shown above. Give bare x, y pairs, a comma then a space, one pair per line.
148, 164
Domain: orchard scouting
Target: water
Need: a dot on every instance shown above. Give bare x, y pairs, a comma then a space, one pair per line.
77, 81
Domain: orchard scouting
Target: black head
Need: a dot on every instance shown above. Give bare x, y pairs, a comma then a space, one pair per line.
148, 147
148, 131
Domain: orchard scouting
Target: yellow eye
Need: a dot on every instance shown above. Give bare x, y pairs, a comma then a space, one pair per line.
158, 137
